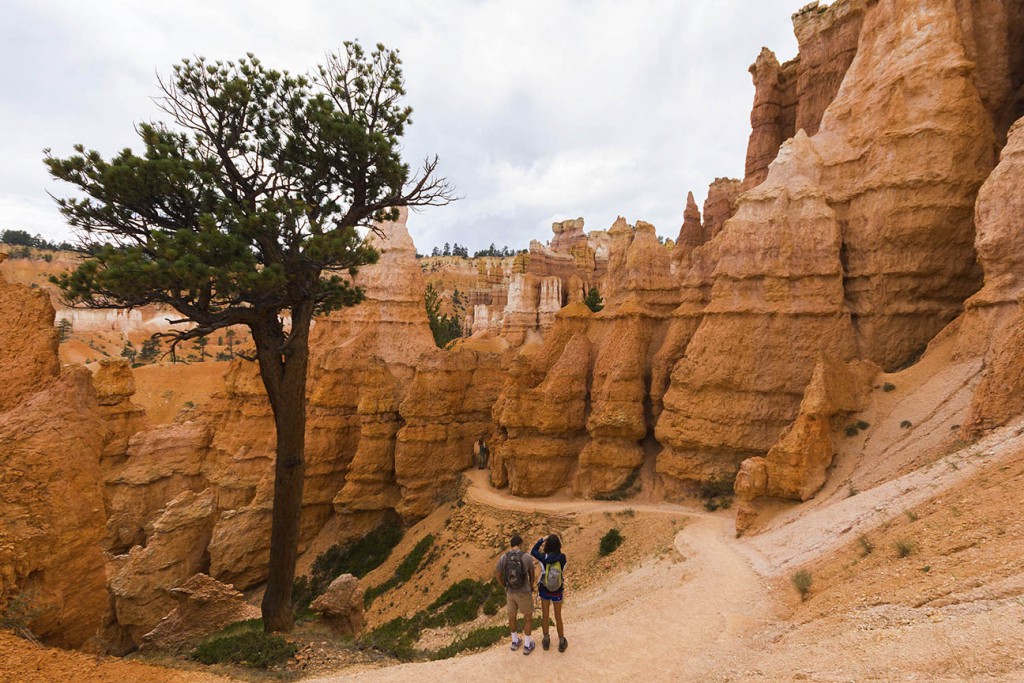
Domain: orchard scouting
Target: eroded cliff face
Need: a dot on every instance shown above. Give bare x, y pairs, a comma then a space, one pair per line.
28, 350
993, 324
856, 235
858, 245
771, 313
54, 435
794, 96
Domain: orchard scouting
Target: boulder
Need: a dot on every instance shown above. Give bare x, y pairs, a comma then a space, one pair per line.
342, 605
176, 550
204, 607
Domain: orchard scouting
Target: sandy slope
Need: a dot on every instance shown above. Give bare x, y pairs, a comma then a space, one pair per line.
23, 662
722, 610
669, 612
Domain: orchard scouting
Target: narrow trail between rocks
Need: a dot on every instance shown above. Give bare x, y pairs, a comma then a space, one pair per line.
662, 621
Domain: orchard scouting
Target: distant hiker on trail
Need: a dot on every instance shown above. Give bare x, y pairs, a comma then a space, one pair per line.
551, 586
482, 455
516, 573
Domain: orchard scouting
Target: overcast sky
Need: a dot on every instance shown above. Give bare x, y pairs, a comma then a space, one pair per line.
539, 110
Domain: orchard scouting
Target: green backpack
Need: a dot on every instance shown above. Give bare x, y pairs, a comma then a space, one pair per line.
551, 577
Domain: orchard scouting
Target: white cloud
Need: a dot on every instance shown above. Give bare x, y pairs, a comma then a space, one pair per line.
538, 109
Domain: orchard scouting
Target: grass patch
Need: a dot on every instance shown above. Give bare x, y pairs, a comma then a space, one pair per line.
474, 640
802, 581
358, 559
911, 515
403, 572
903, 548
19, 610
851, 490
610, 542
866, 546
458, 604
716, 492
468, 596
627, 489
855, 428
245, 644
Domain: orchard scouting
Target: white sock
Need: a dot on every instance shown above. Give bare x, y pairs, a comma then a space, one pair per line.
515, 637
529, 641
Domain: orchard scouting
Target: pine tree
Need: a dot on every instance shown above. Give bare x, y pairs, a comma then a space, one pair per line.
245, 209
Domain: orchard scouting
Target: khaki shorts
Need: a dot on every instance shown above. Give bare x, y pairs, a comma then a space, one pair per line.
519, 600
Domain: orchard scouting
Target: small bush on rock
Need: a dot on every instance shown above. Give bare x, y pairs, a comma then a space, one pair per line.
866, 546
610, 542
802, 581
245, 644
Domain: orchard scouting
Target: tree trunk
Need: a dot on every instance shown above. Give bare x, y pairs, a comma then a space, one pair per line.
283, 368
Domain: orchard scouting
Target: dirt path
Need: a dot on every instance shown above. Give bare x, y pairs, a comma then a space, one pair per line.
685, 615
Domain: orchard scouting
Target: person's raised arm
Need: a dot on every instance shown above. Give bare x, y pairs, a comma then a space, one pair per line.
536, 549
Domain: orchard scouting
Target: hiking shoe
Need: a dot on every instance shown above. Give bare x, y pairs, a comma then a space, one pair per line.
546, 642
514, 646
562, 644
529, 648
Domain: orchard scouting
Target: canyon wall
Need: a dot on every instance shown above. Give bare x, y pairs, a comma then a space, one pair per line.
52, 438
871, 210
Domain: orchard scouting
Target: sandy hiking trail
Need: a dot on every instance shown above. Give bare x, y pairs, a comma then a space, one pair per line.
667, 620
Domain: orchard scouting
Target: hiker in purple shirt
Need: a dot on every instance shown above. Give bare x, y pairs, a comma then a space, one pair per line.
551, 586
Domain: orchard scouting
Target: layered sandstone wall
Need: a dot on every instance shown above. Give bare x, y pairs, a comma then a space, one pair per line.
794, 96
28, 351
993, 324
54, 437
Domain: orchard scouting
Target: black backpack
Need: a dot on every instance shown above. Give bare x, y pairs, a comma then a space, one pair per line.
514, 570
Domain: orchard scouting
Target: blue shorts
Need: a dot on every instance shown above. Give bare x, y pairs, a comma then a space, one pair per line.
551, 597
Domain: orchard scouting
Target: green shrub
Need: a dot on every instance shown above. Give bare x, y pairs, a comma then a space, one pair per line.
906, 424
358, 559
18, 612
851, 490
715, 486
866, 546
610, 542
412, 561
861, 424
403, 572
911, 515
802, 581
474, 640
903, 548
245, 644
459, 603
851, 430
361, 557
888, 386
396, 637
717, 492
463, 600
